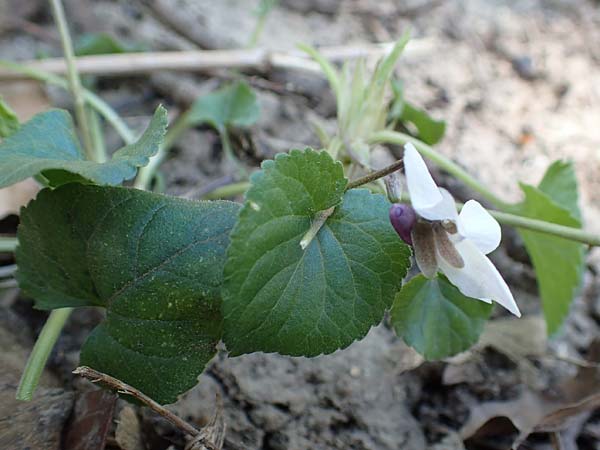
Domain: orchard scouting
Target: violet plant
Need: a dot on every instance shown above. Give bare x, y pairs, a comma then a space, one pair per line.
306, 265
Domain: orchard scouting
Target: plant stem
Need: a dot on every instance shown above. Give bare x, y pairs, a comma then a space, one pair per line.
265, 8
227, 191
573, 234
40, 353
97, 135
376, 175
73, 77
8, 244
92, 99
395, 137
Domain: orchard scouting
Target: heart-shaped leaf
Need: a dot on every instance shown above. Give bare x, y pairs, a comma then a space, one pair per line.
558, 262
234, 105
279, 296
48, 142
154, 262
436, 319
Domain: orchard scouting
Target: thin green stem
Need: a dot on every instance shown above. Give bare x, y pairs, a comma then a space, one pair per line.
265, 8
41, 352
92, 99
97, 135
229, 190
573, 234
73, 77
395, 137
8, 244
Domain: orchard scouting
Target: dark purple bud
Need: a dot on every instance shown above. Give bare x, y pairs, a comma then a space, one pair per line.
403, 218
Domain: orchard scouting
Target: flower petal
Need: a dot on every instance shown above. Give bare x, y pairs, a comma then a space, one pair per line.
422, 189
477, 224
444, 210
479, 278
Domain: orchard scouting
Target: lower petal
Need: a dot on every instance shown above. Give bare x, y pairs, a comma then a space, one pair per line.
479, 278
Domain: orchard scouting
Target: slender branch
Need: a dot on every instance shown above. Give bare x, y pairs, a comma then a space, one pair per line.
41, 352
376, 175
73, 76
8, 244
128, 64
98, 377
395, 137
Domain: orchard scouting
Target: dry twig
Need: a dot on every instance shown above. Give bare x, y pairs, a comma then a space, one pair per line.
202, 60
211, 437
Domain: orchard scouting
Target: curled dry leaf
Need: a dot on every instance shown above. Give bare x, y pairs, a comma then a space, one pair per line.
542, 412
91, 420
12, 198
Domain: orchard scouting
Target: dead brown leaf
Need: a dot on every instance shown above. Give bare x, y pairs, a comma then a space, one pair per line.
542, 411
92, 419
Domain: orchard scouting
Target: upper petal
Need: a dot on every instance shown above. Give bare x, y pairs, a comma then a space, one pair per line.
479, 278
422, 189
477, 224
443, 210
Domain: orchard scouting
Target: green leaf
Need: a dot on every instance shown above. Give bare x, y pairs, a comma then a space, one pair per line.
427, 128
279, 297
436, 319
101, 44
154, 262
49, 142
233, 105
558, 262
560, 184
9, 123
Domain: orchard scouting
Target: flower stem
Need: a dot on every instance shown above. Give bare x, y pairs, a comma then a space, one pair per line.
8, 244
375, 175
395, 137
541, 226
41, 352
92, 99
73, 76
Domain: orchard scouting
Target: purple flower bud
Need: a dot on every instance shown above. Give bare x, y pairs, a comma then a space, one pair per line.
403, 218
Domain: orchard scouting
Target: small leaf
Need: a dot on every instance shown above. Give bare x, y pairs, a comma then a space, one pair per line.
558, 262
233, 105
49, 142
9, 123
154, 262
560, 184
436, 319
279, 297
101, 44
428, 129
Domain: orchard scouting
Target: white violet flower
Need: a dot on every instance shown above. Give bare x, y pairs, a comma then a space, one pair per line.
446, 241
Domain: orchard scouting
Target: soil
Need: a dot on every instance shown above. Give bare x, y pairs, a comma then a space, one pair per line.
518, 83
